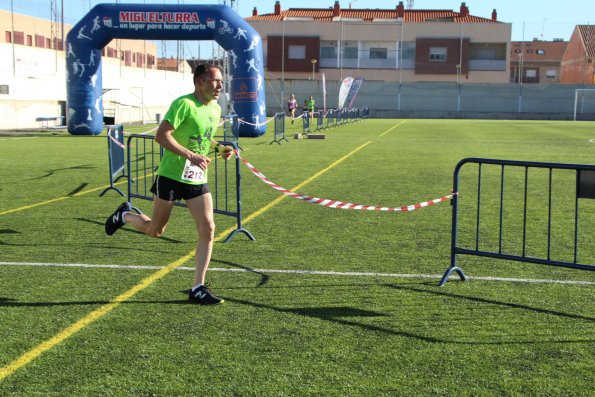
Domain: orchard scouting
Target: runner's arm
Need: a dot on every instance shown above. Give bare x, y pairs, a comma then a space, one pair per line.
164, 138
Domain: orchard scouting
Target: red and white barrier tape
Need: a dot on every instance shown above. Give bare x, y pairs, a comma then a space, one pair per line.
339, 204
149, 131
257, 125
115, 141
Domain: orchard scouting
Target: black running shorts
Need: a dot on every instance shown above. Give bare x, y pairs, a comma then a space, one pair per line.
172, 190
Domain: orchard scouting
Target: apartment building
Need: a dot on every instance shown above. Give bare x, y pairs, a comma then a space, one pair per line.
33, 75
536, 61
398, 44
24, 30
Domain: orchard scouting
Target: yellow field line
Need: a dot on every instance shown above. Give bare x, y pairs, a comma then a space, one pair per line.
66, 333
390, 129
26, 207
88, 319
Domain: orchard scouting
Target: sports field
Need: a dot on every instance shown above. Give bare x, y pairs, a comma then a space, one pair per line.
324, 302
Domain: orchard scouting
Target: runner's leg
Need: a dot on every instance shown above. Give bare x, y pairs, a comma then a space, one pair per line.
201, 208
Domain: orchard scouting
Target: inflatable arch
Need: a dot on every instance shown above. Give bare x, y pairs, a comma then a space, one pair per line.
162, 22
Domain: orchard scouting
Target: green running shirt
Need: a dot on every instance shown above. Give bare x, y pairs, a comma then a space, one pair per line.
194, 125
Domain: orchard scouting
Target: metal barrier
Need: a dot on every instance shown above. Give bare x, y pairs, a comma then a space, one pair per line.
331, 119
115, 153
341, 116
144, 155
279, 128
306, 121
514, 215
320, 120
231, 128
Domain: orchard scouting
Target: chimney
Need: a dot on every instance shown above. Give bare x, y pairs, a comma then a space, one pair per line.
337, 10
254, 12
277, 8
464, 10
494, 15
400, 10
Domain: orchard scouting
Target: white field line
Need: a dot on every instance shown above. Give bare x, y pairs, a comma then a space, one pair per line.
17, 137
303, 272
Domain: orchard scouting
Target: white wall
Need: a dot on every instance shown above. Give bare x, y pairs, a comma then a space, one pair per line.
37, 84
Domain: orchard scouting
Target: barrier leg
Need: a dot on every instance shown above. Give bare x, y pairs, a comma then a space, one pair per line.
449, 271
110, 188
241, 229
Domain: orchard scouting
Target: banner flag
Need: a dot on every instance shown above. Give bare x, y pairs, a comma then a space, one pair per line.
345, 86
355, 86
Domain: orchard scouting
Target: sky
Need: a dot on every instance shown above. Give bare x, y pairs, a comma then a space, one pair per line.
541, 19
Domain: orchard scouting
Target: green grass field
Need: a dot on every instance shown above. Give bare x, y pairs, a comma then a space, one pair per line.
325, 302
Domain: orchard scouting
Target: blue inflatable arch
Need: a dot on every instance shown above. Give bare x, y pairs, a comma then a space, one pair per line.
162, 22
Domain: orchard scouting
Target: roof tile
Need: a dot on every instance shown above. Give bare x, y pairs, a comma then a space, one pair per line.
326, 14
587, 33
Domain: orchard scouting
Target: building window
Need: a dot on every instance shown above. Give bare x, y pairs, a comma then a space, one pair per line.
408, 50
489, 52
39, 41
551, 74
30, 40
486, 54
531, 74
438, 54
378, 53
8, 37
19, 38
349, 52
540, 52
328, 52
296, 52
4, 89
58, 44
328, 49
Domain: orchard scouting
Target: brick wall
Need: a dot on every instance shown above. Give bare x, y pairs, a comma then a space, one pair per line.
576, 68
424, 65
275, 52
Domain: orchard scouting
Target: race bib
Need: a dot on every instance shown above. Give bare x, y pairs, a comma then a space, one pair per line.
193, 173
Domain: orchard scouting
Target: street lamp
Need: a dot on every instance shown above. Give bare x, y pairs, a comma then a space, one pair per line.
314, 60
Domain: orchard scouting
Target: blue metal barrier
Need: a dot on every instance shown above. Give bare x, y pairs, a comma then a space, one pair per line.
231, 128
514, 190
306, 121
144, 155
331, 118
279, 128
320, 120
115, 153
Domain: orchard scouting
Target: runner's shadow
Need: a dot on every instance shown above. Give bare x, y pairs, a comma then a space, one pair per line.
264, 278
128, 230
491, 302
52, 172
340, 315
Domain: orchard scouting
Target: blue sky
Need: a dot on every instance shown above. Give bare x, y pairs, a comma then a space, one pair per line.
542, 19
